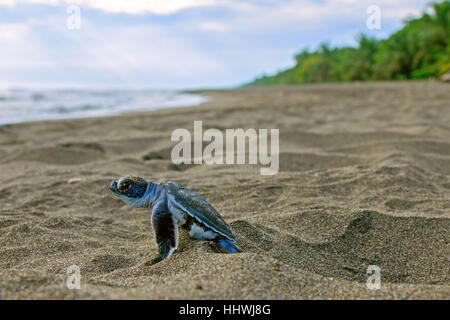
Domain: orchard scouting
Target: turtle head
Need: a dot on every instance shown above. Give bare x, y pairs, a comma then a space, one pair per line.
130, 190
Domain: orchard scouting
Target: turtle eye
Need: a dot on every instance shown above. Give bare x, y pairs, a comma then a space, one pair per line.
124, 185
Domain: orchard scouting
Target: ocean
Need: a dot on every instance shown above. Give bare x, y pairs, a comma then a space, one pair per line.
23, 105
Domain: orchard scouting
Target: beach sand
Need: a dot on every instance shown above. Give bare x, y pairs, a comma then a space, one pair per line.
364, 180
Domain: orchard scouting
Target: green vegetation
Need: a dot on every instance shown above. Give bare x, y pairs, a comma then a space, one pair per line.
421, 49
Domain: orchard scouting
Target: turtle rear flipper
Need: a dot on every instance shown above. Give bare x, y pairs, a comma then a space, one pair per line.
229, 245
166, 230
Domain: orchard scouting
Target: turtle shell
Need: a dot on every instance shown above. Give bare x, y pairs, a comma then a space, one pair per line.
196, 207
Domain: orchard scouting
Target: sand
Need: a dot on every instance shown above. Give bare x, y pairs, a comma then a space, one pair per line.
364, 180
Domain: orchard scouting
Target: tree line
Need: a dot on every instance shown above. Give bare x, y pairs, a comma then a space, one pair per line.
419, 50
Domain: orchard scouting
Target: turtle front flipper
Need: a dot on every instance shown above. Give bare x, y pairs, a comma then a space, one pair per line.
166, 230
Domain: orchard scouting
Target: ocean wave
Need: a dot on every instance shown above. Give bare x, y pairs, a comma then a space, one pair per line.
21, 105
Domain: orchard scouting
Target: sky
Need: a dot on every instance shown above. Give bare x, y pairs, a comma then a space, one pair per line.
175, 44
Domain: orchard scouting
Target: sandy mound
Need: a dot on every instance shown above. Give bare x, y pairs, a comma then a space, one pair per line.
364, 180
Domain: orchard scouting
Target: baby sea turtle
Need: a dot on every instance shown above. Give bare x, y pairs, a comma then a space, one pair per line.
173, 206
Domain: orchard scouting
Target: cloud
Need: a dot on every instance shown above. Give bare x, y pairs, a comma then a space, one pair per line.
124, 6
13, 31
309, 14
176, 43
114, 54
142, 6
213, 26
